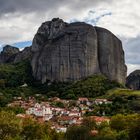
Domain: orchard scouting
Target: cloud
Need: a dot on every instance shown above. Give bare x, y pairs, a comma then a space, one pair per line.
20, 19
132, 68
93, 17
26, 6
132, 49
124, 20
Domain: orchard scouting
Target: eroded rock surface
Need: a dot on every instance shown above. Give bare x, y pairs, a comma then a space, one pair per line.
12, 54
23, 55
111, 55
8, 54
68, 52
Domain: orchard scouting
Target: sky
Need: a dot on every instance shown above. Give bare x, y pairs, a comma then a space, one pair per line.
20, 19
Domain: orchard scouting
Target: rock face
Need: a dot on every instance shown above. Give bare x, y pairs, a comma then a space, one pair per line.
111, 55
23, 55
12, 54
69, 52
8, 54
133, 80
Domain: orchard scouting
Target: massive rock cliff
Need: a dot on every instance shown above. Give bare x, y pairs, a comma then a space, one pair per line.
133, 80
68, 52
111, 55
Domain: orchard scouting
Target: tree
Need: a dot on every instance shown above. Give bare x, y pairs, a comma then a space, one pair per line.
60, 104
134, 130
106, 134
118, 122
9, 125
77, 133
89, 123
32, 130
122, 135
2, 83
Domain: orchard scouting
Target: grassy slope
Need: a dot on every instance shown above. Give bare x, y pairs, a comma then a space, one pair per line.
122, 92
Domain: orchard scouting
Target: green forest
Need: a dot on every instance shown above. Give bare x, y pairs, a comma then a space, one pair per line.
123, 112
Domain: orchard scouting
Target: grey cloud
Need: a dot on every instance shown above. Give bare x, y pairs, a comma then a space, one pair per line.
25, 6
132, 50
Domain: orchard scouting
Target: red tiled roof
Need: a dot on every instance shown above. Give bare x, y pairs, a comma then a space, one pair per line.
100, 119
101, 100
83, 99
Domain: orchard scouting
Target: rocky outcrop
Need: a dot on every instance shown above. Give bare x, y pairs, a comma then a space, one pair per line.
8, 54
12, 54
68, 52
23, 55
133, 80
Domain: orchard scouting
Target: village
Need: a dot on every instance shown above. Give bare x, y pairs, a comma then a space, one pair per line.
59, 112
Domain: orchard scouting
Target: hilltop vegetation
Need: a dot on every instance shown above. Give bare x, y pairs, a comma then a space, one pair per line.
125, 98
13, 76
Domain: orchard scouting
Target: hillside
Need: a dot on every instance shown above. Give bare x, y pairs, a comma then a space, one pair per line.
125, 99
13, 76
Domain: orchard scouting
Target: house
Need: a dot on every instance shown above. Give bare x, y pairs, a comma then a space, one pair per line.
101, 101
59, 128
94, 132
68, 120
23, 116
74, 113
58, 111
48, 117
39, 110
99, 120
82, 100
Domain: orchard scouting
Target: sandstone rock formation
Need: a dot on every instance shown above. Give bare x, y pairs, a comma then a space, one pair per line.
133, 80
68, 52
